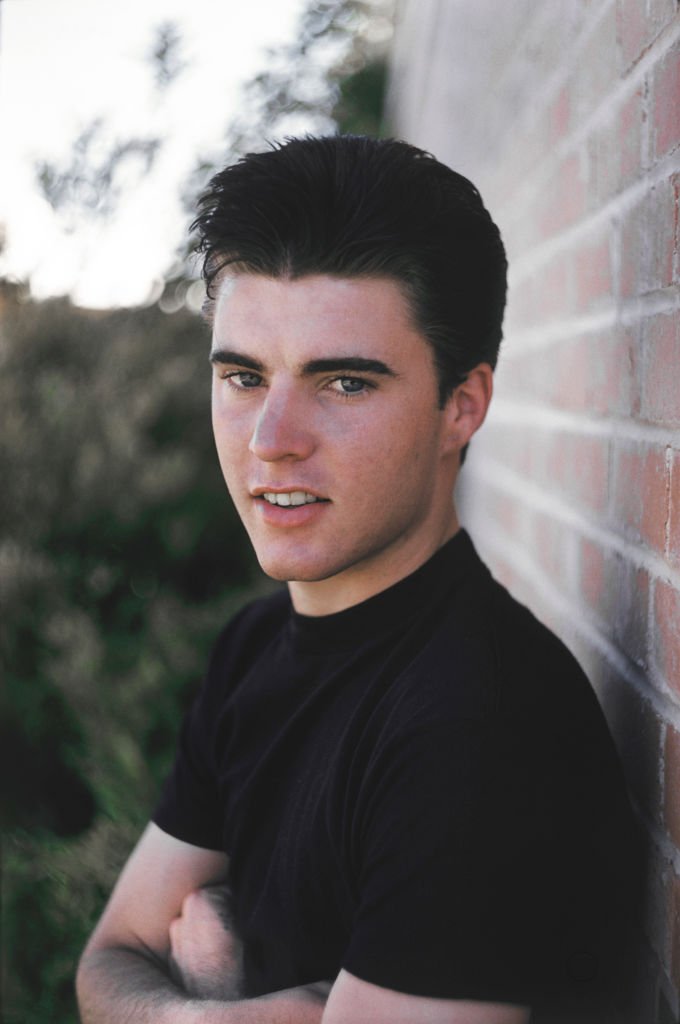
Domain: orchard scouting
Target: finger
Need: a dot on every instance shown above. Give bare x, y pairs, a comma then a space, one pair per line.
219, 897
175, 934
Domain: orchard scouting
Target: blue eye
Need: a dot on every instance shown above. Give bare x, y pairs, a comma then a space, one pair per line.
349, 386
243, 379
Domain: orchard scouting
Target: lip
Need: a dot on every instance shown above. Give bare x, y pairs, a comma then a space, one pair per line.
257, 492
289, 516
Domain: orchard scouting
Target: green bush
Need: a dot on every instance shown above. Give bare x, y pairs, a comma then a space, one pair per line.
121, 557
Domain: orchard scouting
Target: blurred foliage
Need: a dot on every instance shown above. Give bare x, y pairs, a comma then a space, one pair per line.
165, 55
301, 84
330, 77
121, 557
94, 176
100, 167
359, 106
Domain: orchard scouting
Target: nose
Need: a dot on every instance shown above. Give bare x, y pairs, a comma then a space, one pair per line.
282, 429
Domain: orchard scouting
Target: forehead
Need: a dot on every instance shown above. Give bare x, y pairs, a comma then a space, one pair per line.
316, 310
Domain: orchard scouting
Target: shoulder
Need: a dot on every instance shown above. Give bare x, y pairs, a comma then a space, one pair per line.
485, 657
492, 644
244, 637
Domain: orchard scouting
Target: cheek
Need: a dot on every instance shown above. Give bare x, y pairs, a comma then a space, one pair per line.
231, 426
393, 445
384, 469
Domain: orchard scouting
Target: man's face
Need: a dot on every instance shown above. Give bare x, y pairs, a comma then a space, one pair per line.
325, 401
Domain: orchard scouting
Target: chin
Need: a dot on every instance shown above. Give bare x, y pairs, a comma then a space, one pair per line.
299, 570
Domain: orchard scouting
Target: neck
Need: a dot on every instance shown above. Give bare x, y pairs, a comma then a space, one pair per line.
383, 570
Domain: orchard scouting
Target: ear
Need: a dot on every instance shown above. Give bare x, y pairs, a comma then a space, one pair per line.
466, 407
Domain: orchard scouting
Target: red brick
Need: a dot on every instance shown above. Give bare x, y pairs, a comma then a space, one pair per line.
661, 13
614, 381
551, 289
648, 240
593, 274
548, 546
509, 445
559, 116
521, 307
639, 493
604, 164
530, 376
666, 100
633, 252
596, 373
503, 509
545, 295
667, 634
510, 375
661, 370
626, 607
672, 785
571, 374
675, 186
631, 118
592, 575
578, 466
598, 64
662, 206
564, 200
632, 30
674, 511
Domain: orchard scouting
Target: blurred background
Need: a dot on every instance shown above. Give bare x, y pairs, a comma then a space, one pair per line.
120, 555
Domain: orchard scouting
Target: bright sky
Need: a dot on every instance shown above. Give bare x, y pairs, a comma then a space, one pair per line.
64, 62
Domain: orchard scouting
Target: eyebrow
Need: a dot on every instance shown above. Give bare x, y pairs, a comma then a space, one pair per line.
328, 365
224, 355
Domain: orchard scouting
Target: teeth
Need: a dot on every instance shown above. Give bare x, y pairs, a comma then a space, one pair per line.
289, 498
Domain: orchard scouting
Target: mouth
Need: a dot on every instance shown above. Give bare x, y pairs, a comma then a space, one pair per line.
291, 499
293, 508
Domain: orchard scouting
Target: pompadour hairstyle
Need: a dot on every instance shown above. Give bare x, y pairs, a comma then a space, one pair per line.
353, 206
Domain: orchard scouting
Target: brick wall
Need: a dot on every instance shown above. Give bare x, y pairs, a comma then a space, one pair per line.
567, 116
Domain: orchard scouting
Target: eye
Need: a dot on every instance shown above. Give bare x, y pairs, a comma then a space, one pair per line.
242, 380
349, 386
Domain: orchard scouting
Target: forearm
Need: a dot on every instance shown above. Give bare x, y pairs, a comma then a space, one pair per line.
118, 986
293, 1006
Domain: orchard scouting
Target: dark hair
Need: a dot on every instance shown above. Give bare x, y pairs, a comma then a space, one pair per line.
353, 206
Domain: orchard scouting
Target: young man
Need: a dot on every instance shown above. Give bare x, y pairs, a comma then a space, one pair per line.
405, 778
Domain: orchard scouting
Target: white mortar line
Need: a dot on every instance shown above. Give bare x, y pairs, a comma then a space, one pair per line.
600, 115
520, 413
493, 474
625, 313
617, 205
550, 88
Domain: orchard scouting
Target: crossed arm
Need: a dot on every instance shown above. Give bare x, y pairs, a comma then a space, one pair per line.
145, 965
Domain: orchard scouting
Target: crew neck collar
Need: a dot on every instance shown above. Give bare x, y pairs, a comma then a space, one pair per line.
389, 609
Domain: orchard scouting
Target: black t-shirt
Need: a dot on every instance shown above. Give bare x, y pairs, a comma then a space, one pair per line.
420, 789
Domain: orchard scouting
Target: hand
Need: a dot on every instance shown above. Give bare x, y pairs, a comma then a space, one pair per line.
205, 952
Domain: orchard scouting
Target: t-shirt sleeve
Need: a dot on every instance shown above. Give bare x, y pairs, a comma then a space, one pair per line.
457, 848
189, 805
